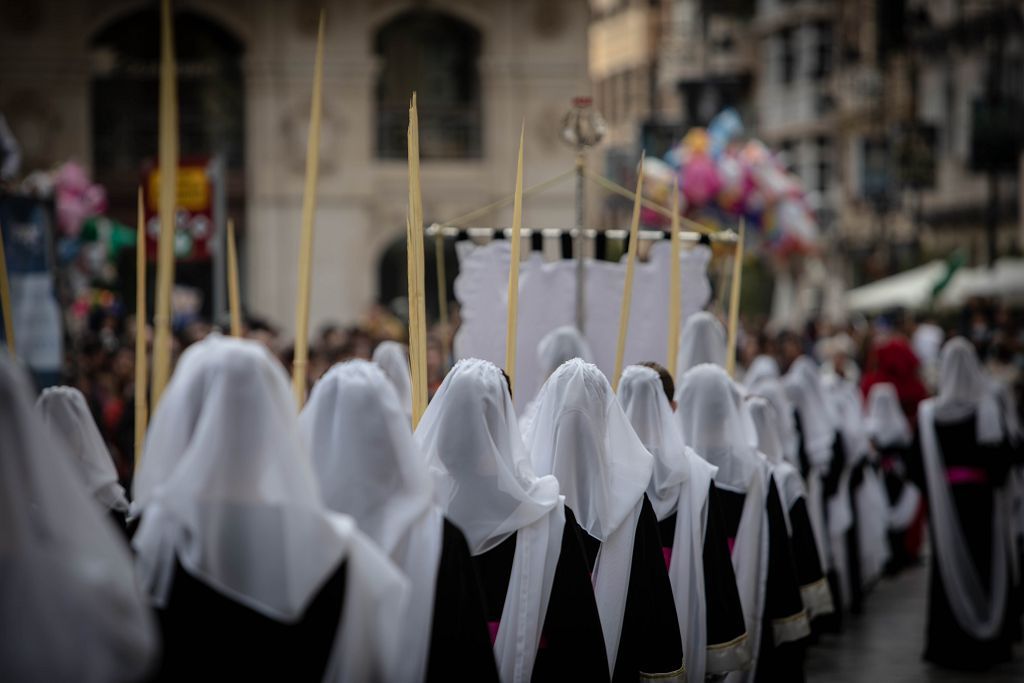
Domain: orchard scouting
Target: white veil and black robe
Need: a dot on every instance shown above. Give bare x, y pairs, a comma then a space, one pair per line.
581, 436
66, 412
965, 461
814, 590
369, 467
866, 541
69, 607
683, 494
537, 595
896, 449
711, 406
251, 576
821, 459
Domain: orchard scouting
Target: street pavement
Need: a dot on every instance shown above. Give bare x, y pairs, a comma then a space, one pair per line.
884, 645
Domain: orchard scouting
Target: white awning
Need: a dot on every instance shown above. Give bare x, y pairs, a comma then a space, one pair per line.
911, 289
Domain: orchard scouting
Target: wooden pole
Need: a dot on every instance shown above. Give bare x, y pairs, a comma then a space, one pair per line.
233, 297
513, 268
414, 365
141, 366
627, 291
734, 303
5, 301
674, 287
168, 150
301, 355
442, 295
417, 303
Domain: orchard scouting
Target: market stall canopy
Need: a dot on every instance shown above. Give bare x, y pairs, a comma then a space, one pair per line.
911, 289
1004, 281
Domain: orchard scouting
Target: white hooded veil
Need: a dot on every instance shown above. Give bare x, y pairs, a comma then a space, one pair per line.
240, 510
817, 422
762, 368
369, 467
680, 484
69, 607
65, 412
711, 405
962, 391
772, 390
556, 347
486, 484
887, 427
583, 438
559, 345
393, 359
769, 443
884, 421
702, 340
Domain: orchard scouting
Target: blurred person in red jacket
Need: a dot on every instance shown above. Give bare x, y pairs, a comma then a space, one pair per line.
895, 362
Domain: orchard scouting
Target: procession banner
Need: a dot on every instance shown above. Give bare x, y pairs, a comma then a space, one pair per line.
547, 297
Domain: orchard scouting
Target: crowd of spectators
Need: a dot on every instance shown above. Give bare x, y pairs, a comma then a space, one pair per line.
894, 347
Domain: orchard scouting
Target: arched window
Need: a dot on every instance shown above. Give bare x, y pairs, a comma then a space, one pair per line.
125, 63
125, 86
435, 55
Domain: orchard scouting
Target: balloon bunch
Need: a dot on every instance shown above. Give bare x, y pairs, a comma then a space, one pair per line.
723, 177
77, 198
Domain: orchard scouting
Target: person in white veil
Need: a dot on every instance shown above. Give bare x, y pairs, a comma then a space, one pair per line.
393, 359
892, 440
69, 607
814, 590
713, 425
537, 594
821, 462
763, 379
965, 461
251, 575
66, 413
762, 368
866, 541
582, 437
702, 340
557, 346
683, 494
369, 467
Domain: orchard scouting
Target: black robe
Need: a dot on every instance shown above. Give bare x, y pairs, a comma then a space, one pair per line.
806, 560
572, 643
726, 629
947, 644
858, 589
650, 641
460, 647
208, 636
782, 601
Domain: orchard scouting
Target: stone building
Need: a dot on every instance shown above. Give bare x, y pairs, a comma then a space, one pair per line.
902, 117
79, 80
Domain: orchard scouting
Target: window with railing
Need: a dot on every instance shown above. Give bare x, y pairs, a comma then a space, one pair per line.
434, 55
787, 56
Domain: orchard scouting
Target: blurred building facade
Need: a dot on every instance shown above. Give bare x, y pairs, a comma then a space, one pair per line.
902, 117
79, 80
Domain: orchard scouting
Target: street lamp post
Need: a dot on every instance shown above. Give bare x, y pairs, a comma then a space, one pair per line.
582, 127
